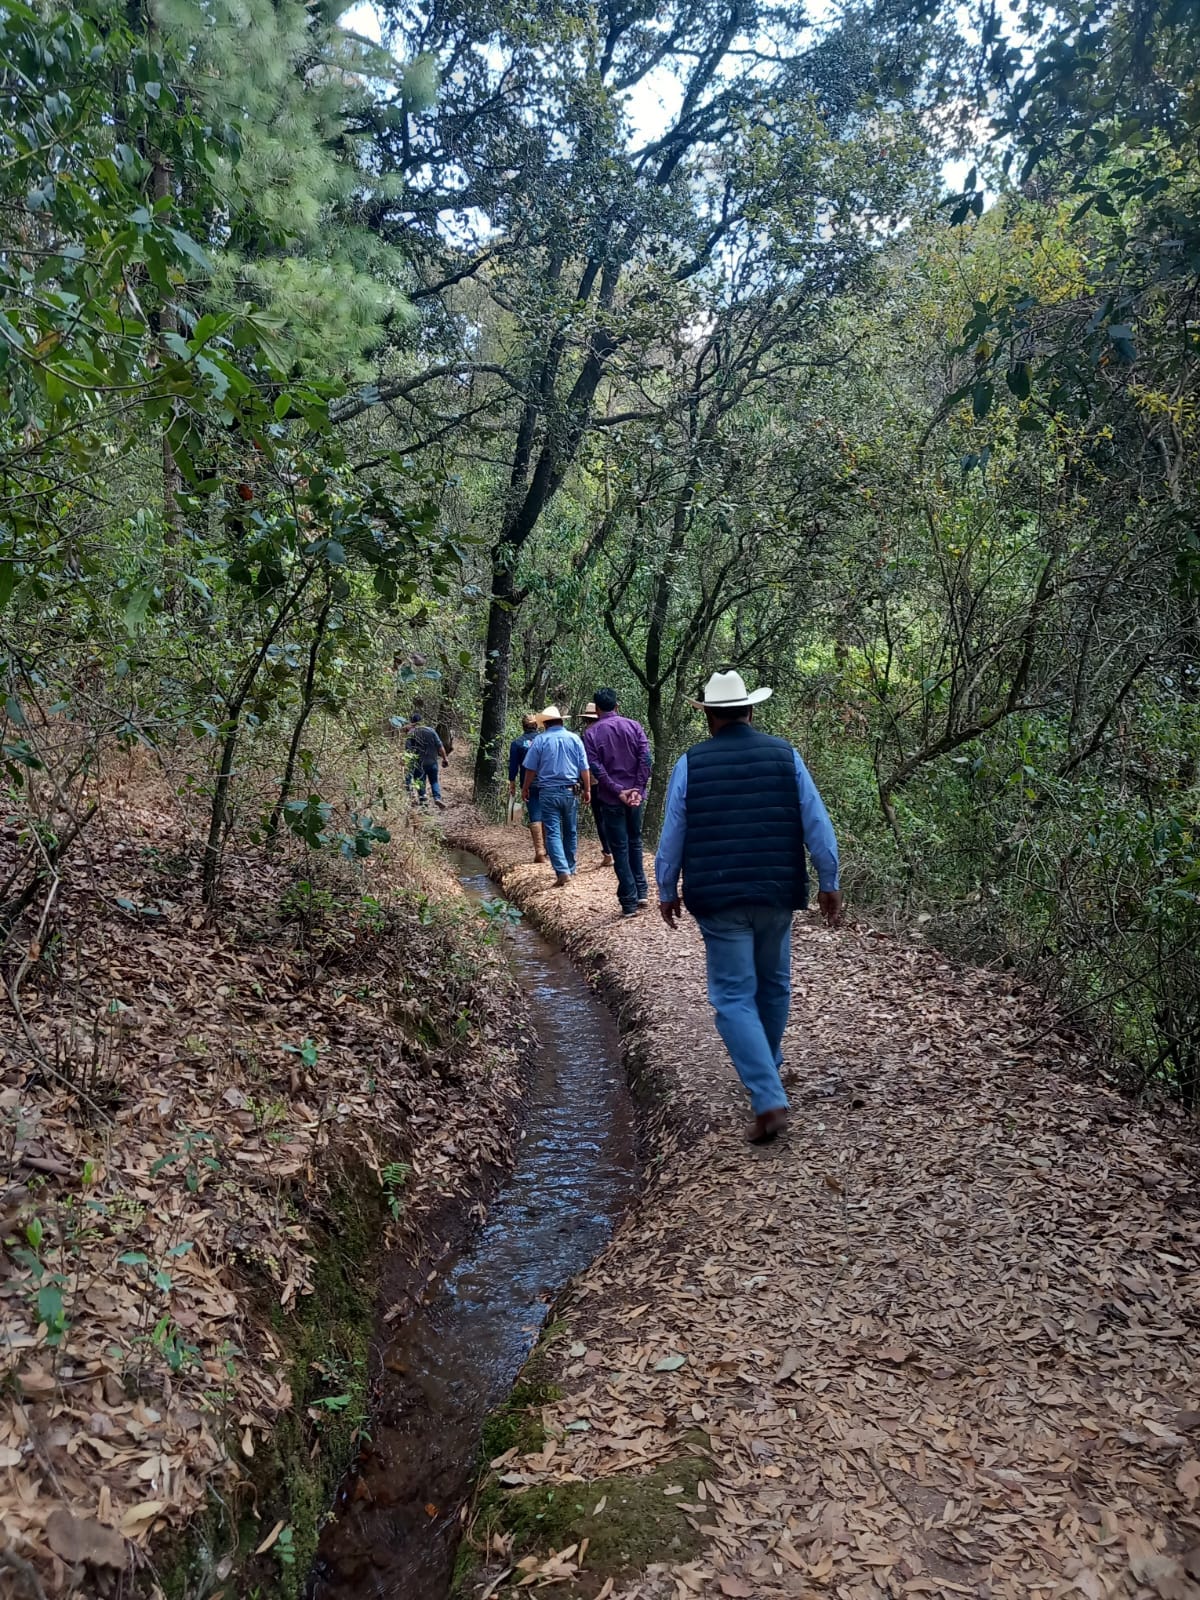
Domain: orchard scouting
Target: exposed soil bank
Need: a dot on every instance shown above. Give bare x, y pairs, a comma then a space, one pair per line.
454, 1357
211, 1131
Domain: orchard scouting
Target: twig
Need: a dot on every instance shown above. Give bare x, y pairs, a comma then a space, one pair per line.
51, 856
44, 1065
835, 1187
495, 1583
35, 944
26, 1576
1065, 1019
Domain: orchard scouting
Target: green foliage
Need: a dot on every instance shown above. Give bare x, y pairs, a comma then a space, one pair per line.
185, 291
47, 1287
305, 902
290, 84
501, 916
285, 1548
308, 1052
393, 1178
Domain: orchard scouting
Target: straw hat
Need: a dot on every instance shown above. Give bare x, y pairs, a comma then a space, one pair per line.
552, 714
726, 691
590, 714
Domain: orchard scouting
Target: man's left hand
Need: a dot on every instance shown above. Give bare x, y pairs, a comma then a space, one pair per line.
671, 911
830, 902
632, 797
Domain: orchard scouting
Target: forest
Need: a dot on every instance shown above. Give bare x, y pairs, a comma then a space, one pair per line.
506, 356
464, 358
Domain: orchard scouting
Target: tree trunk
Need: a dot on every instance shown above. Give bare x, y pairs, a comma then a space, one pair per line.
307, 700
168, 322
656, 800
216, 819
211, 871
887, 804
529, 495
497, 665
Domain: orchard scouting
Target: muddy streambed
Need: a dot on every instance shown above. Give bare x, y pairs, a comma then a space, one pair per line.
454, 1359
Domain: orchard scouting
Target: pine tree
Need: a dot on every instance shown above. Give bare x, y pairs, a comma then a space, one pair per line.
287, 87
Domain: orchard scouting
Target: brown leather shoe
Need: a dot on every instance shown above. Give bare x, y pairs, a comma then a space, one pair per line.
562, 879
767, 1125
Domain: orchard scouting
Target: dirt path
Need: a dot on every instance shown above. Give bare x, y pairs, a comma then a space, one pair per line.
941, 1337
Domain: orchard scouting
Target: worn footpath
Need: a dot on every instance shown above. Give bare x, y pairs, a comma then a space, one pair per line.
940, 1339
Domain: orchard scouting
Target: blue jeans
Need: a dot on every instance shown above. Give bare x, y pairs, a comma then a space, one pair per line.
426, 770
749, 954
622, 838
560, 818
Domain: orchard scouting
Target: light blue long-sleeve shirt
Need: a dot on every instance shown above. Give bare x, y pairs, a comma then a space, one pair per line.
557, 756
819, 837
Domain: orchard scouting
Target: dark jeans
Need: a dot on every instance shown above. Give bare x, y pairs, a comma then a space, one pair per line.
598, 819
622, 836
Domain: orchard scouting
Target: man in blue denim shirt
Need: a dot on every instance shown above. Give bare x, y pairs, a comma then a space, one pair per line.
742, 813
559, 763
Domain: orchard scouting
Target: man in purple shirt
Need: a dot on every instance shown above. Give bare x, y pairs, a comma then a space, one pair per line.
619, 753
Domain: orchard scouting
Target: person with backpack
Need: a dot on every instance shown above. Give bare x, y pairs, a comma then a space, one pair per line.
742, 817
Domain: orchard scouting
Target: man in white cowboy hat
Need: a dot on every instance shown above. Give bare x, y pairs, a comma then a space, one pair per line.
742, 812
558, 762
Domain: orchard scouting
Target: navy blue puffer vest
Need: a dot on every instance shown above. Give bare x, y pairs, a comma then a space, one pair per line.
744, 844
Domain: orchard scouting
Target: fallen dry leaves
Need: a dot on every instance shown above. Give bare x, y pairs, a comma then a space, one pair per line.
940, 1338
177, 1117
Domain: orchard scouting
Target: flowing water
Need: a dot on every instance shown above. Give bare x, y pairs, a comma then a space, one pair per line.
454, 1360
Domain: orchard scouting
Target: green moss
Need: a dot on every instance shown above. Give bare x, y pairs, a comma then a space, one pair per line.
629, 1522
639, 1523
518, 1422
326, 1341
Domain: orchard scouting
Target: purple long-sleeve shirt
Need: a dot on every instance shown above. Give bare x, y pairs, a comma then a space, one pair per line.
619, 752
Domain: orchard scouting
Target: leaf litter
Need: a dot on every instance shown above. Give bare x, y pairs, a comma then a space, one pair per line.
176, 1115
939, 1339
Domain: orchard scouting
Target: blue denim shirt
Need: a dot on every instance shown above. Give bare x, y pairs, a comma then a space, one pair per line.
819, 837
557, 757
517, 751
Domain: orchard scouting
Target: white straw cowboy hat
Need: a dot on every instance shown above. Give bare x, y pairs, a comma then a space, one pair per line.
590, 714
726, 691
552, 714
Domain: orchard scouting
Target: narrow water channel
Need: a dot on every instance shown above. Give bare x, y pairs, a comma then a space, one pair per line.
455, 1359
